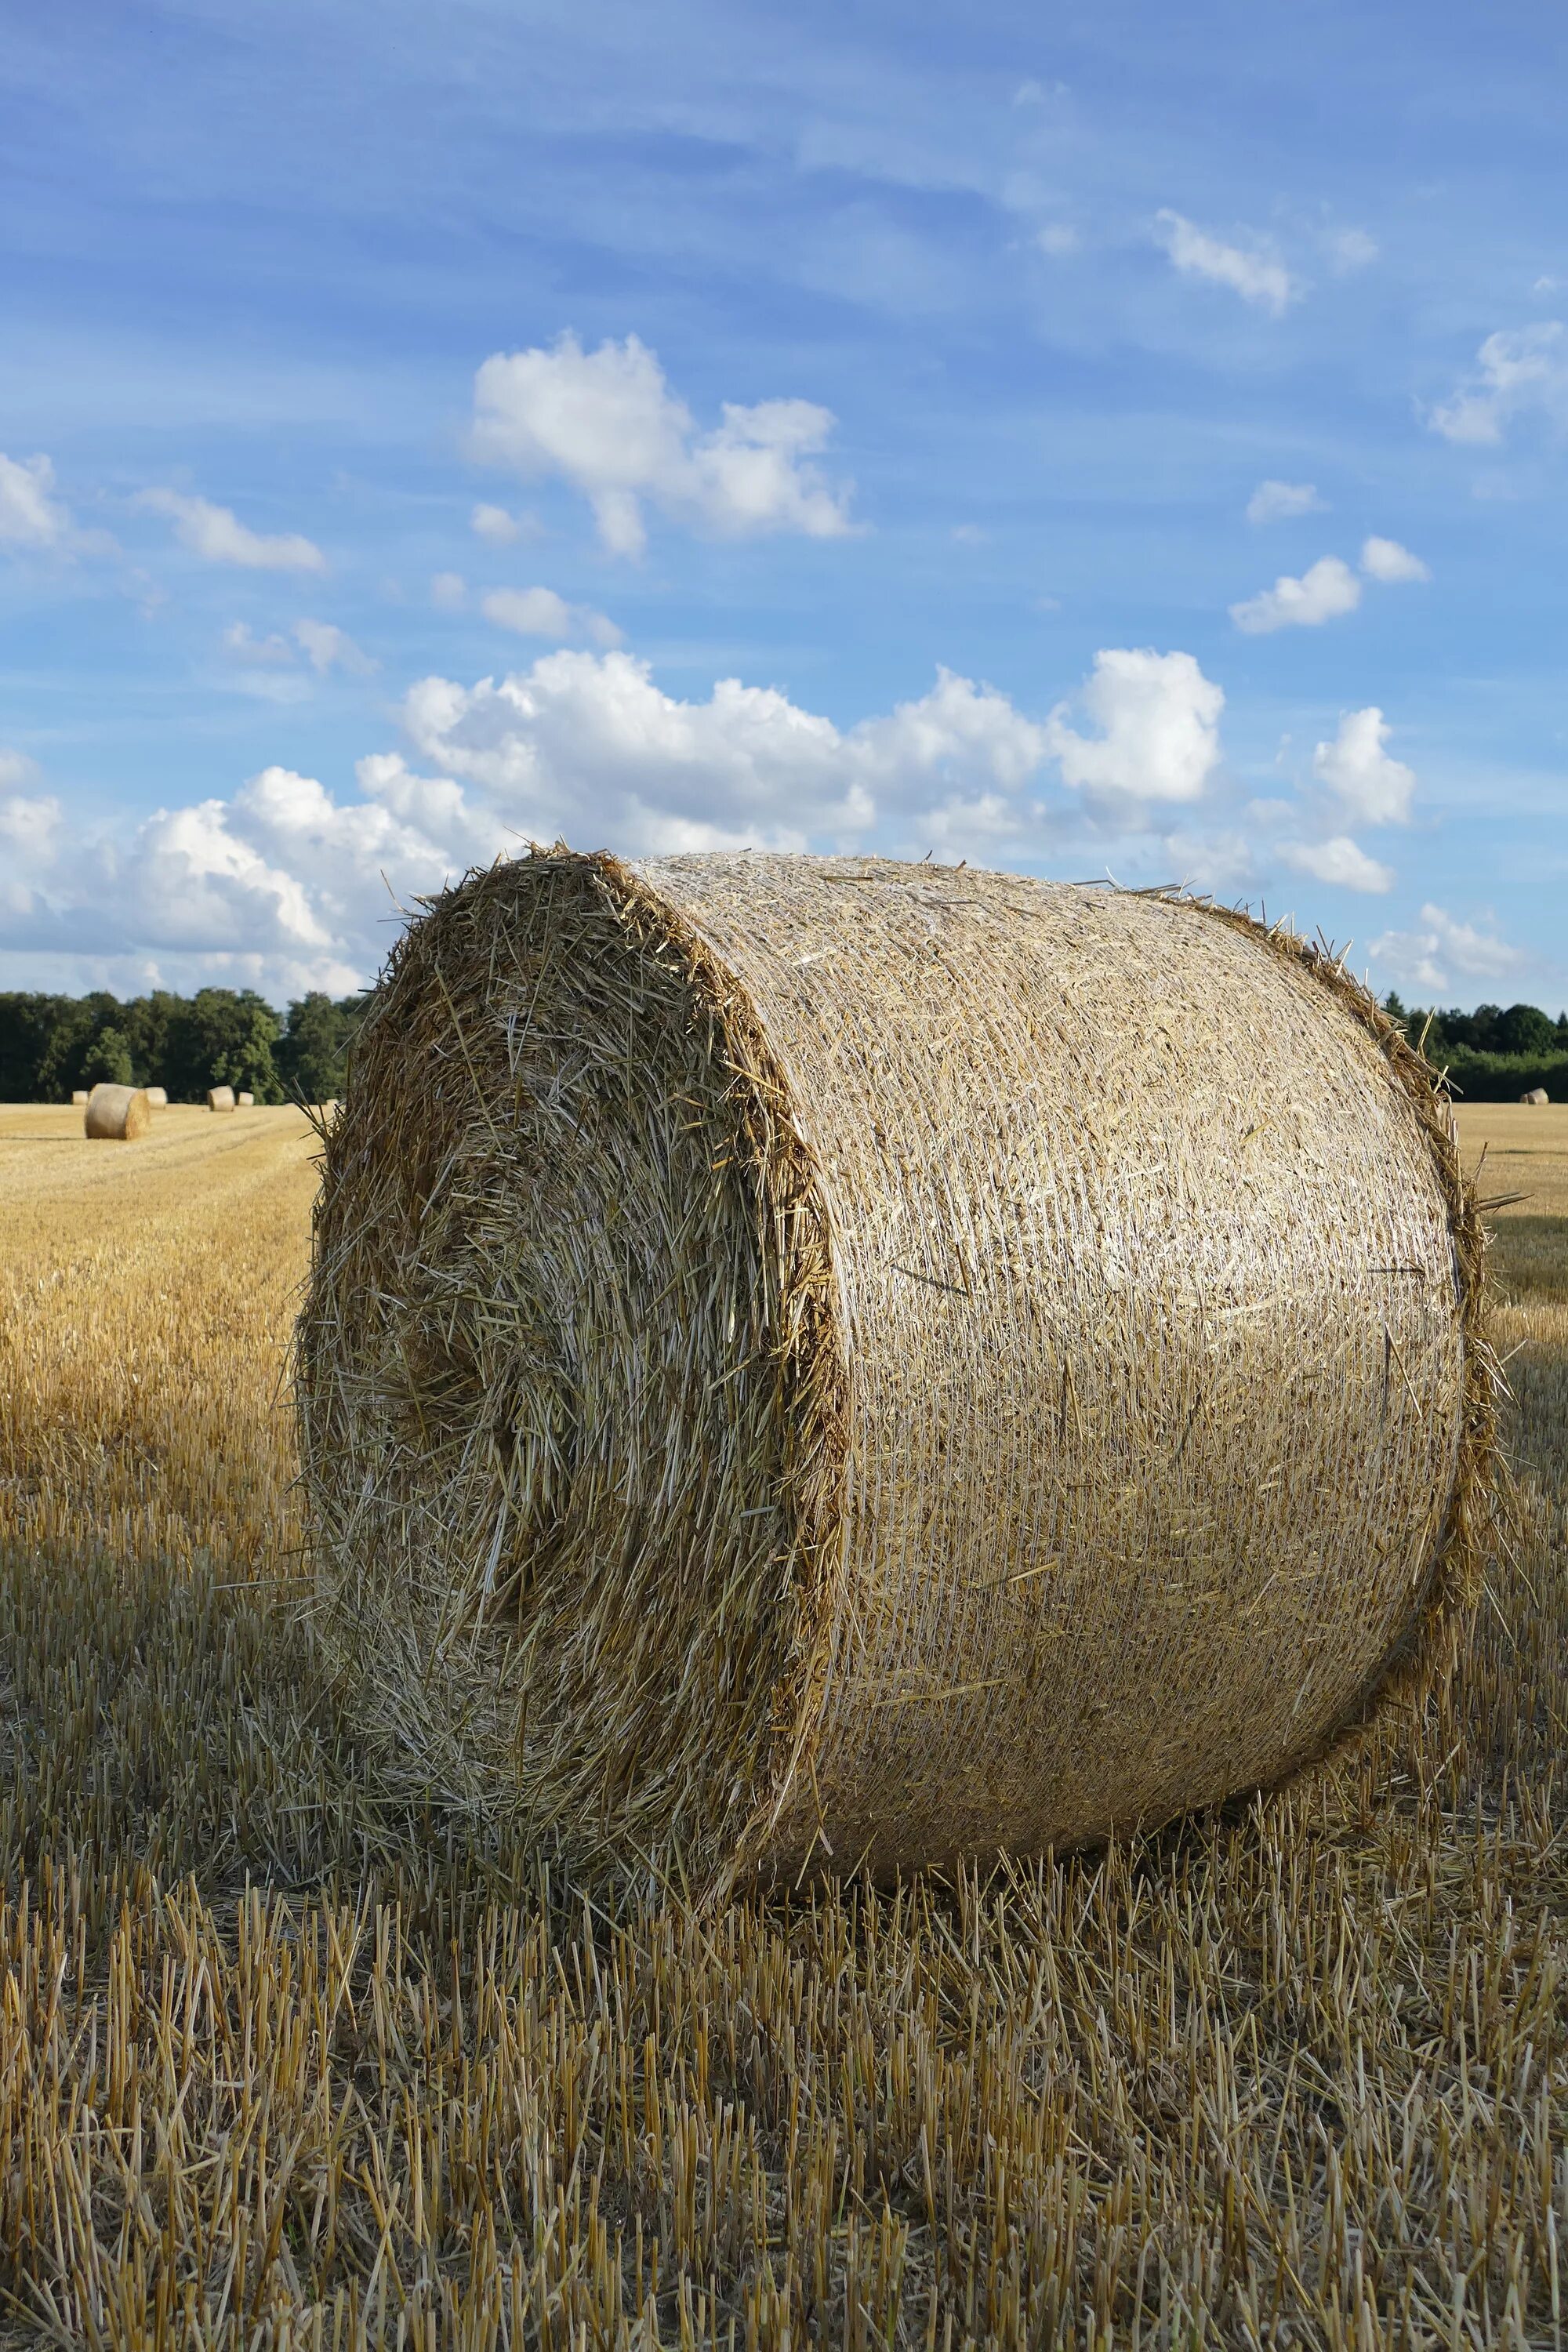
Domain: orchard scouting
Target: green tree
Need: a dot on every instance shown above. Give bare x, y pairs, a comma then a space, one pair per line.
312, 1051
1523, 1029
108, 1059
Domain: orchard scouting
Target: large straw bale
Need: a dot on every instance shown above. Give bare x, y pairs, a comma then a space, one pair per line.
246, 1101
816, 1360
78, 1099
1536, 1094
158, 1097
220, 1098
117, 1114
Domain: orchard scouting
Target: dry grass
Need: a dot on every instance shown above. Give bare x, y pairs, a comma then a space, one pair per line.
277, 2067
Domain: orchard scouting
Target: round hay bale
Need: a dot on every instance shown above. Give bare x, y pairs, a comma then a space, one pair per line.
1536, 1094
245, 1102
78, 1099
158, 1097
220, 1098
117, 1114
813, 1361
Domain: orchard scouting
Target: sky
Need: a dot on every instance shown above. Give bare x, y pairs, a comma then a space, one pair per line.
1107, 440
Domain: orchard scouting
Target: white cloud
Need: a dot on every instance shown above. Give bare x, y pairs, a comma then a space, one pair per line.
321, 643
1059, 238
450, 589
500, 526
1278, 501
1350, 249
28, 825
269, 652
1385, 560
1159, 721
608, 421
29, 517
540, 613
218, 536
1425, 958
1257, 275
1513, 373
587, 743
326, 647
1369, 786
1324, 591
280, 884
1338, 860
16, 768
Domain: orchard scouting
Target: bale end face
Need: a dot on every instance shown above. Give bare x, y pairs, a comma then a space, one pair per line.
117, 1114
813, 1361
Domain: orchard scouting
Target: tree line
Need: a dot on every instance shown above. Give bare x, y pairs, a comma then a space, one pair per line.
1494, 1053
51, 1045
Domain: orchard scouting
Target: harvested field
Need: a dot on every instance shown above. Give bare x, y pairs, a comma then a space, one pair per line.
280, 2063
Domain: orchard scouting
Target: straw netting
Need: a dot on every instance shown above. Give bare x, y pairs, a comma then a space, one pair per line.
116, 1114
814, 1361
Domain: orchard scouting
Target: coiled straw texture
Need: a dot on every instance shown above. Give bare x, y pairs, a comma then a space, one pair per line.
116, 1114
814, 1361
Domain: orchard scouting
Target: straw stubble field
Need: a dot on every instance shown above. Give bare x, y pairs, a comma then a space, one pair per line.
280, 2063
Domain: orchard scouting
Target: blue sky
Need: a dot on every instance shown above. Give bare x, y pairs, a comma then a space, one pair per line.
1108, 439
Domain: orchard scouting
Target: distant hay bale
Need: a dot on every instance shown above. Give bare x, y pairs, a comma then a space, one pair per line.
245, 1102
1536, 1094
78, 1099
220, 1098
157, 1097
814, 1360
117, 1114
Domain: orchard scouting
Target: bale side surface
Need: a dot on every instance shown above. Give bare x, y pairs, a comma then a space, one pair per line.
116, 1114
828, 1360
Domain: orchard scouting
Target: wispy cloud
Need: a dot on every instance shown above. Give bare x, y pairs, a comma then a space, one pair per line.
217, 534
1255, 273
1279, 501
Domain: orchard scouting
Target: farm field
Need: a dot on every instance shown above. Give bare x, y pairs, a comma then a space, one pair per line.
279, 2065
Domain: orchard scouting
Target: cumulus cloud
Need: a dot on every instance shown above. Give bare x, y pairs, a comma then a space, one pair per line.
540, 613
609, 424
218, 535
1441, 947
1367, 784
1338, 860
1256, 274
29, 514
1513, 373
1278, 501
1385, 560
1158, 717
1324, 591
282, 883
